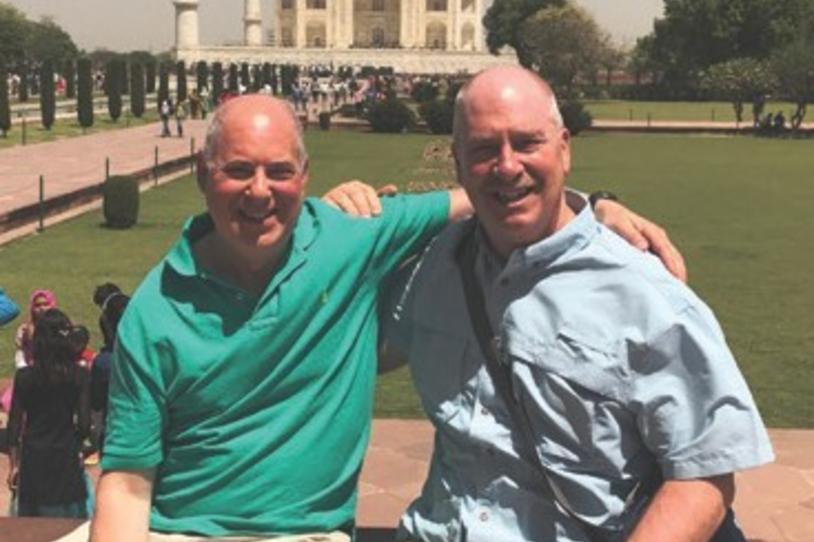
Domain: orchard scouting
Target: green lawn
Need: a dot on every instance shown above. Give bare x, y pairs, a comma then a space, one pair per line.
69, 127
680, 111
739, 208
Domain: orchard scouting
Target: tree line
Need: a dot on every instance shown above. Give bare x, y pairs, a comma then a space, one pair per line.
742, 51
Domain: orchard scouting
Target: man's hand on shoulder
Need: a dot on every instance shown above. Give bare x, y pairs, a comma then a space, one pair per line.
641, 233
357, 198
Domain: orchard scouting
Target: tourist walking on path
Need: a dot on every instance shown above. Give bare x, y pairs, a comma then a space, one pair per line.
50, 416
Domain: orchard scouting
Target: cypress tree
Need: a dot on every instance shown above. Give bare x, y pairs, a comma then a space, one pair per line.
217, 81
233, 78
137, 90
113, 80
257, 78
5, 108
201, 76
274, 80
180, 81
267, 74
245, 77
23, 89
70, 79
124, 80
47, 98
163, 83
84, 93
150, 82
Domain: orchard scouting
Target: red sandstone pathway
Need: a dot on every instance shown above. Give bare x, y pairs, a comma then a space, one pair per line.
73, 163
774, 503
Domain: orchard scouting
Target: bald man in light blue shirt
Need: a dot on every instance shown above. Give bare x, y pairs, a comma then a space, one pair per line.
633, 414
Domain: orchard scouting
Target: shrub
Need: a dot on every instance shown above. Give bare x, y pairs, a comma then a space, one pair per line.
113, 82
84, 93
325, 120
575, 116
347, 110
120, 201
180, 81
70, 79
5, 109
390, 116
163, 84
201, 75
137, 98
438, 115
217, 81
22, 89
47, 97
424, 91
150, 81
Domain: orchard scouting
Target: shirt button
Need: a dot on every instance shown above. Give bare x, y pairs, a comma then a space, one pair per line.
484, 516
483, 411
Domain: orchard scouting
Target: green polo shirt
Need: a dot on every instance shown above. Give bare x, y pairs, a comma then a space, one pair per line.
255, 411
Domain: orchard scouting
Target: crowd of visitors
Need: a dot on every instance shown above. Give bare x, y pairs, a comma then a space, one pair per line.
57, 403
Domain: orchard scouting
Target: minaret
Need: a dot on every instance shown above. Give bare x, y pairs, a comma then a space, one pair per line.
252, 24
186, 24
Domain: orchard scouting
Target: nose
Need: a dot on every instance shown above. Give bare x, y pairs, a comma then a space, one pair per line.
508, 165
260, 185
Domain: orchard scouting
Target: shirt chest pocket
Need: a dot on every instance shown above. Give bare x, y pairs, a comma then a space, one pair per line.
574, 395
437, 364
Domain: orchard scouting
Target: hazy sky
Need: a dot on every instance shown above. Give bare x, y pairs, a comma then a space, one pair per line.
149, 24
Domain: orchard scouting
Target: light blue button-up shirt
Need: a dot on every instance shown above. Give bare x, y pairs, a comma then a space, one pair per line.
624, 373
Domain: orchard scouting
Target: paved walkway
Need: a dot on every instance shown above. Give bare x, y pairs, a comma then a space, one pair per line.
774, 503
73, 163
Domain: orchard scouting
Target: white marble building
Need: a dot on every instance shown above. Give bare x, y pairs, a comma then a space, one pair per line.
416, 36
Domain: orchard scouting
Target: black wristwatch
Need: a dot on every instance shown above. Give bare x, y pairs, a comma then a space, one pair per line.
599, 195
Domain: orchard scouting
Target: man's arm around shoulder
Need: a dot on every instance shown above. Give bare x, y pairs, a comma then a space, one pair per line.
123, 506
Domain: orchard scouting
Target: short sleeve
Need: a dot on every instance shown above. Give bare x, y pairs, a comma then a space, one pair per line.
396, 301
8, 309
406, 225
695, 411
136, 406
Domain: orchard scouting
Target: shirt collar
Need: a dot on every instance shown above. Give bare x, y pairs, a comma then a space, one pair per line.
181, 257
570, 239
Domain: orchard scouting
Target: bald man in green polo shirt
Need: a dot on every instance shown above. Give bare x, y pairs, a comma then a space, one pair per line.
242, 383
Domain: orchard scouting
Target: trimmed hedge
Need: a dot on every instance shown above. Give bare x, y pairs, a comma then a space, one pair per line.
438, 115
575, 116
390, 116
120, 201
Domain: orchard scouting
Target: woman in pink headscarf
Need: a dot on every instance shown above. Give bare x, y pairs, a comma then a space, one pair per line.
41, 301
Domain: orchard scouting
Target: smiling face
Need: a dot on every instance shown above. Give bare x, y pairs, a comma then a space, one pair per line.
512, 157
255, 181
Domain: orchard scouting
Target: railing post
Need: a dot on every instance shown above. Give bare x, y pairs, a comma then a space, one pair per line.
24, 131
155, 166
107, 168
42, 204
192, 155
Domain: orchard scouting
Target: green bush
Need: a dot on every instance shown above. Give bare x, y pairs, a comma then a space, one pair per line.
84, 93
424, 91
5, 108
120, 201
347, 110
325, 120
390, 116
575, 116
438, 115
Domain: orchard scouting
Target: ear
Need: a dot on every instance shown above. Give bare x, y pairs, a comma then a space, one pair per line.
457, 160
565, 149
201, 170
306, 172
